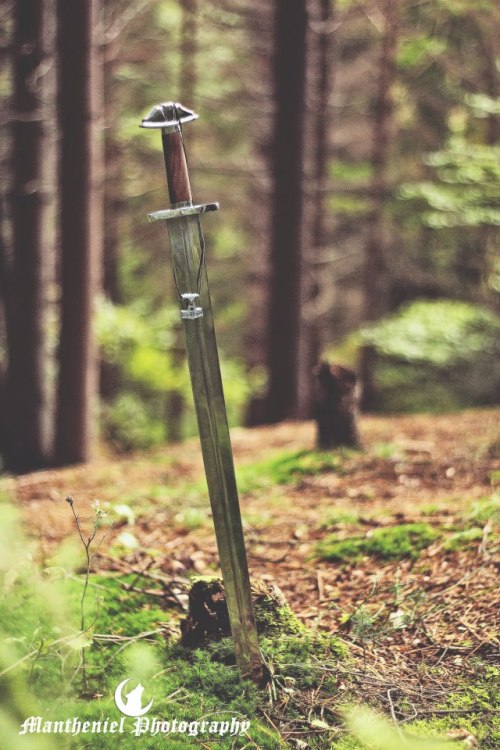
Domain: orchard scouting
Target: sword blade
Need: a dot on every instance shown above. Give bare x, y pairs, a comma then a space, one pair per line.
186, 242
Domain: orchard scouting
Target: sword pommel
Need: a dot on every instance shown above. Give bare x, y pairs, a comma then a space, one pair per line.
168, 116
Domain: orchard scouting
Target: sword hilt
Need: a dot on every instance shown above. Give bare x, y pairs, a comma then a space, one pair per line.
169, 117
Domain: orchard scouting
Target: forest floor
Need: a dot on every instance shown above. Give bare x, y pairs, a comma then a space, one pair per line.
393, 549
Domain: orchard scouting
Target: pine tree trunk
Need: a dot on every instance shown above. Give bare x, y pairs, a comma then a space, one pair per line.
80, 181
383, 130
319, 90
175, 404
289, 71
257, 221
24, 448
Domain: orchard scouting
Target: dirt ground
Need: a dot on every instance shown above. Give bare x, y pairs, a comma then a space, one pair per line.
422, 468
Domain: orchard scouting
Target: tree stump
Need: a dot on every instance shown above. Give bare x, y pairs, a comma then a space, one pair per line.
336, 407
208, 618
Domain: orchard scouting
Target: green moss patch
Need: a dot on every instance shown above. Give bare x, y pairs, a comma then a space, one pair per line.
473, 706
485, 509
289, 468
461, 540
394, 543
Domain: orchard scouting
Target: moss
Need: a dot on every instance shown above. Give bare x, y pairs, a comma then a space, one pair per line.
473, 706
485, 509
289, 468
461, 540
340, 516
204, 685
191, 519
394, 543
274, 616
341, 550
430, 509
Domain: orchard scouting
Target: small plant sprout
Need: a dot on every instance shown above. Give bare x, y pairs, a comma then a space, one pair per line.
97, 520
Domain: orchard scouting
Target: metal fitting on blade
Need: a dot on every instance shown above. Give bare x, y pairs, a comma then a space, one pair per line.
191, 311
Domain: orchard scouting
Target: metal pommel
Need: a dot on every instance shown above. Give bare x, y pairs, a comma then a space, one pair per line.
168, 116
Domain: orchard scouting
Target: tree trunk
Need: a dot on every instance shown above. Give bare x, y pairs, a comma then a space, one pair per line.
319, 88
80, 181
175, 404
257, 222
486, 235
24, 448
114, 202
289, 72
383, 127
188, 54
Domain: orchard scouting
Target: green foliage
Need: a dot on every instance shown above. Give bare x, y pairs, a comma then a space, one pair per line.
299, 660
188, 685
417, 50
142, 348
276, 619
350, 172
192, 518
377, 733
341, 516
485, 509
440, 333
138, 343
289, 468
347, 205
465, 539
394, 543
437, 355
467, 189
472, 708
129, 424
467, 194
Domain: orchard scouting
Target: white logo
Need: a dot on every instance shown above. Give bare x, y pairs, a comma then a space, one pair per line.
133, 704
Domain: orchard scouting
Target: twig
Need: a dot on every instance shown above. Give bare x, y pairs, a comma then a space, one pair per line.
321, 586
89, 557
119, 638
65, 639
393, 714
458, 711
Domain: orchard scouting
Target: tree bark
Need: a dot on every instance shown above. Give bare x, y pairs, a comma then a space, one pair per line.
175, 404
257, 222
319, 89
188, 53
289, 71
81, 236
383, 130
23, 437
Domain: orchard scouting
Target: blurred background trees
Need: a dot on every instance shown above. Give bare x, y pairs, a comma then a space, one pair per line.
353, 146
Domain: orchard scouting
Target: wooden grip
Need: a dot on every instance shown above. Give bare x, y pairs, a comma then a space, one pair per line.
179, 188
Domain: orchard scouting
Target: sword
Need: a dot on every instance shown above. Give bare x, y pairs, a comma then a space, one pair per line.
191, 281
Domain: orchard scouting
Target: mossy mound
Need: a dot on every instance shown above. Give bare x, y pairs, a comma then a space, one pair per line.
291, 652
208, 618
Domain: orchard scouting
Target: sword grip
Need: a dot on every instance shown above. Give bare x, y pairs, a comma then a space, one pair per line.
179, 187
